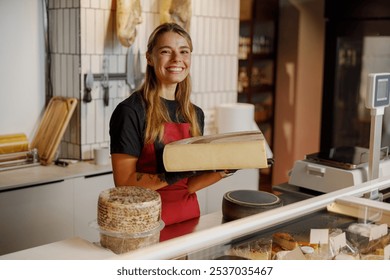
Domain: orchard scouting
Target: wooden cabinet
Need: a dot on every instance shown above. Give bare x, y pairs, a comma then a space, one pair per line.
257, 63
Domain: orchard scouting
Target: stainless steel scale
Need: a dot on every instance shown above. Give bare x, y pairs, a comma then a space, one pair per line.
335, 169
342, 167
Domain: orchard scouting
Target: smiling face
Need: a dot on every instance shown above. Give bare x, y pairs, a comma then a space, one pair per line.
170, 59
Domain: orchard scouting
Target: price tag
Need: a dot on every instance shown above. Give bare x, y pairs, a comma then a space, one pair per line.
295, 254
337, 242
319, 236
387, 252
378, 231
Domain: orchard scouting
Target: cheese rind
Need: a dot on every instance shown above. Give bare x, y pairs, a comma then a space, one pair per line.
129, 217
129, 209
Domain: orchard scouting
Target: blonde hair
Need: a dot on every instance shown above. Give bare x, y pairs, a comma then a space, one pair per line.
156, 112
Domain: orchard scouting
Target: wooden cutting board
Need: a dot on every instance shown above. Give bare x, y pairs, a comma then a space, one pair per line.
52, 127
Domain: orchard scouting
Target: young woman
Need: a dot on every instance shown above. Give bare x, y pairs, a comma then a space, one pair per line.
158, 113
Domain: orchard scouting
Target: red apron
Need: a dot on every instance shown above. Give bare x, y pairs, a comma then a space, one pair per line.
177, 203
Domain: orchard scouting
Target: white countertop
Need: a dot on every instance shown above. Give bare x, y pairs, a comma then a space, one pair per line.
34, 175
80, 249
76, 247
69, 249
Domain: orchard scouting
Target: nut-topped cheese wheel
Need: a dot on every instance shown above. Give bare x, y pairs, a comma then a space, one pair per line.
129, 210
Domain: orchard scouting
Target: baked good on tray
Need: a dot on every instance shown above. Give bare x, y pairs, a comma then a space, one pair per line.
285, 240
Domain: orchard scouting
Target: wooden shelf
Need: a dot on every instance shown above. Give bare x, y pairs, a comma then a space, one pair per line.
257, 89
257, 65
261, 56
258, 56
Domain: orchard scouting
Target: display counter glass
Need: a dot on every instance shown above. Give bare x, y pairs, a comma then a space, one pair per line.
293, 231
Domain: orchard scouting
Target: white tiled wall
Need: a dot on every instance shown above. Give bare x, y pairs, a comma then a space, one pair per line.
82, 34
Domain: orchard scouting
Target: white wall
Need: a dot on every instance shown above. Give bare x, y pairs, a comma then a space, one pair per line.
214, 30
83, 35
299, 84
22, 78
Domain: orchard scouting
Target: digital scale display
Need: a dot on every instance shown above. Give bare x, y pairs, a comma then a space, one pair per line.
382, 90
378, 90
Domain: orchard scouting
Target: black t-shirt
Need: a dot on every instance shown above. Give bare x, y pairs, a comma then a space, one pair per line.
128, 123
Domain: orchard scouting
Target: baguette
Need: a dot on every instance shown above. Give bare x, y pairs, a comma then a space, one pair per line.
128, 16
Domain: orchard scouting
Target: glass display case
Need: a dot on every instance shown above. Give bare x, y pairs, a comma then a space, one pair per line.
334, 212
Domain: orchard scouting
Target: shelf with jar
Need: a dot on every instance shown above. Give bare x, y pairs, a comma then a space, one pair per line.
256, 59
256, 80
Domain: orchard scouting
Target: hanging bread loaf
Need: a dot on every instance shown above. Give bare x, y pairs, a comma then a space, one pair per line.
128, 16
178, 11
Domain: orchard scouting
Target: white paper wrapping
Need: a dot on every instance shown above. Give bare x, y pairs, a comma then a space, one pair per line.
234, 117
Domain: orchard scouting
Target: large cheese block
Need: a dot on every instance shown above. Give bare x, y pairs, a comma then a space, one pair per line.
129, 209
234, 150
129, 218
